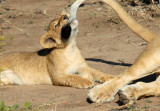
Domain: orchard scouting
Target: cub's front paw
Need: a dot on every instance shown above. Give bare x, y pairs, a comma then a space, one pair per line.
104, 78
103, 93
86, 84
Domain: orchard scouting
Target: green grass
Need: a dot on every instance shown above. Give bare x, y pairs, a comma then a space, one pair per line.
2, 38
148, 101
3, 107
46, 27
2, 45
1, 69
71, 1
11, 37
15, 107
2, 41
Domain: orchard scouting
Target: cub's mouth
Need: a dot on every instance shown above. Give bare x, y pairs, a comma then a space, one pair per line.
73, 22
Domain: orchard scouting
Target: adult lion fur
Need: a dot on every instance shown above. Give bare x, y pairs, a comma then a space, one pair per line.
146, 64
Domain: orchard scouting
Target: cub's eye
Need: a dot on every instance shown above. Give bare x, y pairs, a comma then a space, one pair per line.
65, 17
57, 24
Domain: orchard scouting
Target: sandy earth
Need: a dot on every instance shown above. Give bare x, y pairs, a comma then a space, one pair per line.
106, 43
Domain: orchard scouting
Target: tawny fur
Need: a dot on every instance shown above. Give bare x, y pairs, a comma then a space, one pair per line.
140, 30
130, 93
146, 64
60, 63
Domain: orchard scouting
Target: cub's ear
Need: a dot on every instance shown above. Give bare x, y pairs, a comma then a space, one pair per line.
48, 41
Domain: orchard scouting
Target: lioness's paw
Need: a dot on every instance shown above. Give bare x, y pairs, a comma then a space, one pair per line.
102, 93
128, 94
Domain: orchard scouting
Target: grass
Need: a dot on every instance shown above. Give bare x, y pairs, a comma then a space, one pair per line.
15, 107
46, 27
2, 43
26, 107
91, 16
1, 69
71, 1
11, 37
2, 38
131, 108
148, 101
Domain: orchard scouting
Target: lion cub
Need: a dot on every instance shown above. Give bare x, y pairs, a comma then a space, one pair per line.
59, 63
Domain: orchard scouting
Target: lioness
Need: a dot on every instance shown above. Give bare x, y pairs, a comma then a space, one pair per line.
59, 63
146, 64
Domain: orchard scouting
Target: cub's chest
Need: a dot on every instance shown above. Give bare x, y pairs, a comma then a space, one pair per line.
72, 69
75, 62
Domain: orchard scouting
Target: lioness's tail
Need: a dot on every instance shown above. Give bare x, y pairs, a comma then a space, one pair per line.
130, 22
74, 8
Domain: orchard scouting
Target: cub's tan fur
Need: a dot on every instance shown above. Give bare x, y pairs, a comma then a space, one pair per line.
146, 64
60, 63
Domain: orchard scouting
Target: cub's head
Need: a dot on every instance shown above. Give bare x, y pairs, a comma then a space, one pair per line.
60, 32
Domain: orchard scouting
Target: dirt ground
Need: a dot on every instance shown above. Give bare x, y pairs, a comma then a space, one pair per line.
104, 40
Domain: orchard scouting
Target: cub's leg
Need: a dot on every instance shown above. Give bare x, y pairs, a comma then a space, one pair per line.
147, 63
96, 75
8, 78
73, 80
130, 93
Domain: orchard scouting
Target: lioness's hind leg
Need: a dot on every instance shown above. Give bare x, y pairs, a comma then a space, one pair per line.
130, 93
8, 78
